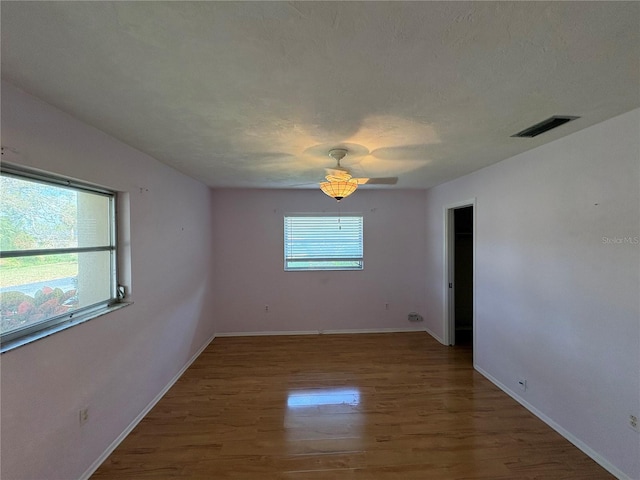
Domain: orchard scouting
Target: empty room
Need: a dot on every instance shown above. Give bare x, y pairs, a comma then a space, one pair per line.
320, 240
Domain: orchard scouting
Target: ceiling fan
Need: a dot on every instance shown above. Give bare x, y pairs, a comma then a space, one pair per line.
339, 181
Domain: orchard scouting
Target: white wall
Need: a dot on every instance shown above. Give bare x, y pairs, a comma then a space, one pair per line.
555, 303
249, 266
115, 364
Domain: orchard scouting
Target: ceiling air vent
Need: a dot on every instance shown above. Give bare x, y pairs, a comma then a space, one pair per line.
544, 126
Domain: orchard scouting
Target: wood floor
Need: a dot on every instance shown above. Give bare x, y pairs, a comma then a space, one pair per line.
381, 406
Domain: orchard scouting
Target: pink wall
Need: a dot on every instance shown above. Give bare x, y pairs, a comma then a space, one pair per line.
556, 303
115, 364
249, 266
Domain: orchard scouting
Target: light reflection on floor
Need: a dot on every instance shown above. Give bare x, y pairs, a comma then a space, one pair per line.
323, 396
323, 420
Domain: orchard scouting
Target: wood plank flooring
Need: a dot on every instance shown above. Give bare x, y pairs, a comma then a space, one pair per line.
379, 406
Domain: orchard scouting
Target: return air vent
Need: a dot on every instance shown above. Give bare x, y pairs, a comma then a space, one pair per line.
544, 126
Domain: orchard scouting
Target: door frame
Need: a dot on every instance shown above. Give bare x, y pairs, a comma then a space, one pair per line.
449, 320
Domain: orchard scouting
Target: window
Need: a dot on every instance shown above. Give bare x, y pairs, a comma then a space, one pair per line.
57, 253
323, 242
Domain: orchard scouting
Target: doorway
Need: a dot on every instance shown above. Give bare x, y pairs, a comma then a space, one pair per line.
459, 280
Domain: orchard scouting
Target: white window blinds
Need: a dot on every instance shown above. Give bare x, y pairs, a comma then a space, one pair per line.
323, 242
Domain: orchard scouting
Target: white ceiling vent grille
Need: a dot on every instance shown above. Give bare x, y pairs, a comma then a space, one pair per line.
544, 126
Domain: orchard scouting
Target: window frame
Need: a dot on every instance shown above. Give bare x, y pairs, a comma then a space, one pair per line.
288, 259
29, 333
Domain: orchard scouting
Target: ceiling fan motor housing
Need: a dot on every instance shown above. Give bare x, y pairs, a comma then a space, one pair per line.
338, 154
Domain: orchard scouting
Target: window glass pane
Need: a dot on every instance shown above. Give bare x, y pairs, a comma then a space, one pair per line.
323, 265
38, 216
36, 289
44, 278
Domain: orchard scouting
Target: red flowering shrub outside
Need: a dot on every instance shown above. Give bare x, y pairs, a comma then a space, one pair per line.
25, 308
19, 310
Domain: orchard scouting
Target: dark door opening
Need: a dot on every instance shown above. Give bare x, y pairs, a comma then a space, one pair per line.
463, 274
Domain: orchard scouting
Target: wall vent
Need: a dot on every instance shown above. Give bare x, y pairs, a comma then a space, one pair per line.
544, 126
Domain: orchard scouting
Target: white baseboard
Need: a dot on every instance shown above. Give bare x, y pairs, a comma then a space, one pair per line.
94, 466
321, 332
604, 463
430, 332
372, 330
267, 333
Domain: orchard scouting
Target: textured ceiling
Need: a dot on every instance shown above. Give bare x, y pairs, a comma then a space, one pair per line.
253, 94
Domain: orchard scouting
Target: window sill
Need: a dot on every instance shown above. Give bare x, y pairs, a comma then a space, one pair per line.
19, 342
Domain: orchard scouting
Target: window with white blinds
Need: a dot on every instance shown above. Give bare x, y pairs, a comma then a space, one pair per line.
323, 242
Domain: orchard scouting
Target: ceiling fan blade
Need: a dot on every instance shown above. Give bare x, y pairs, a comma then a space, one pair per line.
377, 181
336, 171
306, 184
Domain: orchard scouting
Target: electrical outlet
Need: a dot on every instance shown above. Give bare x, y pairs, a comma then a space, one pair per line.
83, 415
522, 384
386, 306
266, 308
633, 423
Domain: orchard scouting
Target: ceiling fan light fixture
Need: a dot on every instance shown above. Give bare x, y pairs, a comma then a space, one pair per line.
340, 189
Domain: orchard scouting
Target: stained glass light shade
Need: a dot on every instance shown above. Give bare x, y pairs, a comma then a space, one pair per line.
339, 189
